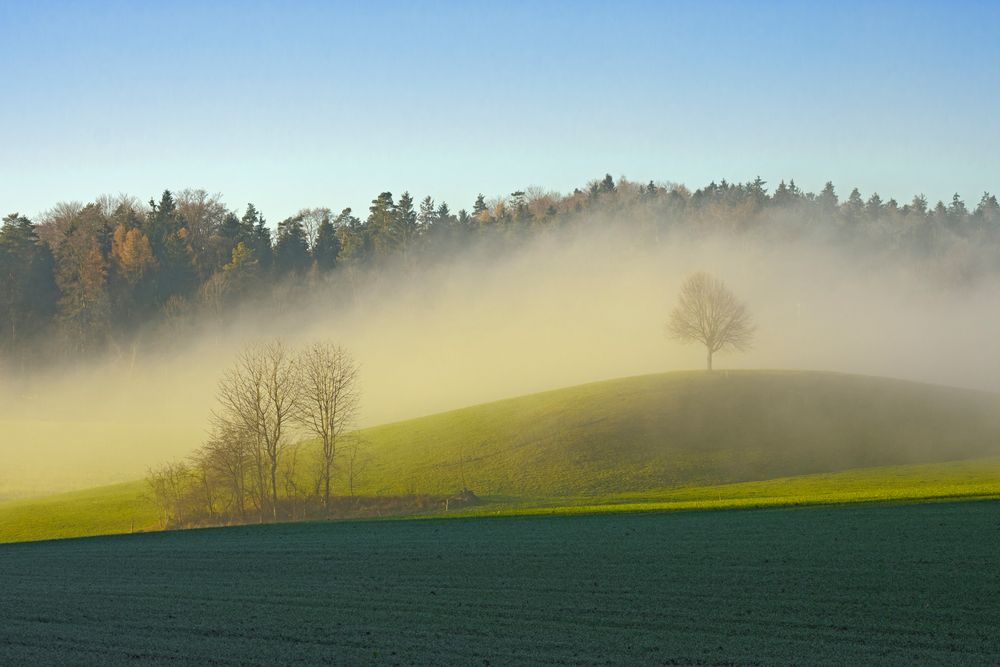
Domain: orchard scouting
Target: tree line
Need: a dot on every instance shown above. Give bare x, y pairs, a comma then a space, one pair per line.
89, 277
250, 466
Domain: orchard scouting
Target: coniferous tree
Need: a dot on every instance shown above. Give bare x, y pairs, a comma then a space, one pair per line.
327, 246
987, 215
757, 190
874, 207
828, 199
405, 221
355, 238
382, 225
168, 236
27, 289
426, 217
854, 208
957, 212
241, 272
253, 228
782, 196
291, 252
480, 212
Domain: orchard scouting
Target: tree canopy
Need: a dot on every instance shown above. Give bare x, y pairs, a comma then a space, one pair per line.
85, 278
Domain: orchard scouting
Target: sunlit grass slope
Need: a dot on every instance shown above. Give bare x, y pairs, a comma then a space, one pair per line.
681, 429
104, 510
968, 479
652, 442
124, 507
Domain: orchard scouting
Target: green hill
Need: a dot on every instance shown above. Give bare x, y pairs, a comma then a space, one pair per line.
668, 440
681, 429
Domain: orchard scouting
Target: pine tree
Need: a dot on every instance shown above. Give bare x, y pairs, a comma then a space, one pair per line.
257, 237
854, 207
405, 221
874, 207
355, 238
827, 199
291, 252
382, 225
27, 290
327, 246
426, 216
480, 212
443, 215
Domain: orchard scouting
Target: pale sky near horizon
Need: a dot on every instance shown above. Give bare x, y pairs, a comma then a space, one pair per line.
299, 104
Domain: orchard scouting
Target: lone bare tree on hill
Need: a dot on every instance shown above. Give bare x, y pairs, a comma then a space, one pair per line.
708, 313
328, 395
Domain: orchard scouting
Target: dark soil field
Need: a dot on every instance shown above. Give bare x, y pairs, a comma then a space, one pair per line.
862, 584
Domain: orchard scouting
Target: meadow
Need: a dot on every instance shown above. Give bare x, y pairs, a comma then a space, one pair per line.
654, 442
860, 584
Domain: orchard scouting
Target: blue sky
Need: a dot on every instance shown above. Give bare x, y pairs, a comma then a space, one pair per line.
299, 104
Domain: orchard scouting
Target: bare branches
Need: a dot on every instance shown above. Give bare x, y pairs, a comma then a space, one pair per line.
259, 397
708, 313
329, 397
251, 454
228, 453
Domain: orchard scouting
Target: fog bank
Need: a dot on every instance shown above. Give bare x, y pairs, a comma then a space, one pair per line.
569, 307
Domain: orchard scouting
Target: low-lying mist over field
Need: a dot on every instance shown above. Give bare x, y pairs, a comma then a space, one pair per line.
570, 306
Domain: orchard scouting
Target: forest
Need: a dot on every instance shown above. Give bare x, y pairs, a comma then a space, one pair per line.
94, 278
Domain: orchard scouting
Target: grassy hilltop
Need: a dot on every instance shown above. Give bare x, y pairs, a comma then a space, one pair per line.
730, 438
681, 429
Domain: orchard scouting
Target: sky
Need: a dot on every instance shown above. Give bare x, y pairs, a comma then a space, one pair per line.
302, 104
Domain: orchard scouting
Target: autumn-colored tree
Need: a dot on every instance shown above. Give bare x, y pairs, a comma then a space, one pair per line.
132, 253
77, 238
204, 216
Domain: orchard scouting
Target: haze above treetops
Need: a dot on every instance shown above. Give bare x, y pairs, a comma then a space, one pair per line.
537, 292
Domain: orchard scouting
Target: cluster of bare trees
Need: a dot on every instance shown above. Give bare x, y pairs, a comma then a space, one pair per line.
250, 467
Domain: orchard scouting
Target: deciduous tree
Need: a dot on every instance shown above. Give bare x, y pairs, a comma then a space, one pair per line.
259, 396
328, 392
708, 313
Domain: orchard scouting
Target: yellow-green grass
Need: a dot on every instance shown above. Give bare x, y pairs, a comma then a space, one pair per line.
680, 430
651, 442
105, 510
125, 507
957, 480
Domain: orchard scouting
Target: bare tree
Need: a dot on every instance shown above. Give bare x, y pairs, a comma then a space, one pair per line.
357, 458
169, 485
289, 474
259, 396
204, 488
329, 401
228, 454
312, 218
708, 313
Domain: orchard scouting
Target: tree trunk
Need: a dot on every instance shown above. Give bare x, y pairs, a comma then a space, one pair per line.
274, 491
710, 360
326, 487
327, 465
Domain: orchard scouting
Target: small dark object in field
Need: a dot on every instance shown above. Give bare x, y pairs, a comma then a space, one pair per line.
463, 498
